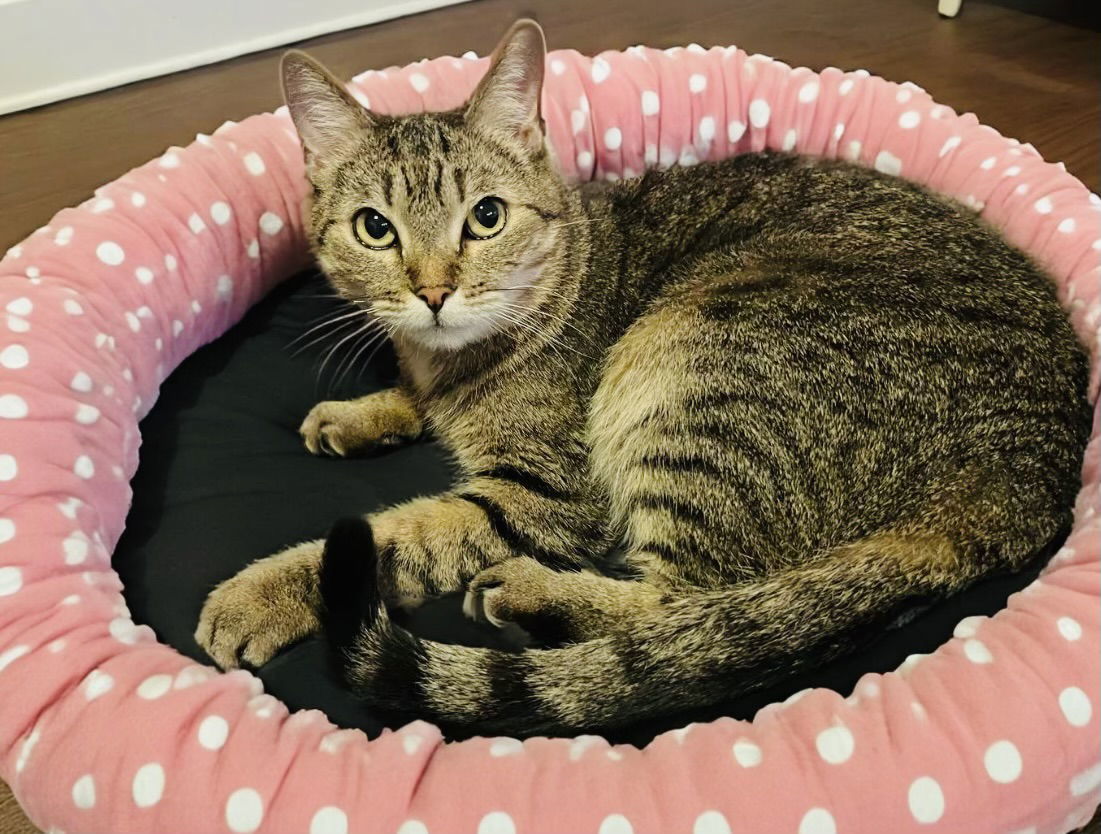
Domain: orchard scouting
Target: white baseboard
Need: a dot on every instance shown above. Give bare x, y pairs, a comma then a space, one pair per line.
57, 49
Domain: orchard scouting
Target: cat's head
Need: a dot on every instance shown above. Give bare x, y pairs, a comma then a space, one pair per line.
446, 224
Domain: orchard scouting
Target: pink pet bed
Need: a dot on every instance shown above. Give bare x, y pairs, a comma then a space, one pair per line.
103, 729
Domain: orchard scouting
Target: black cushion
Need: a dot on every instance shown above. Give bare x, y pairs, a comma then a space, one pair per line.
224, 479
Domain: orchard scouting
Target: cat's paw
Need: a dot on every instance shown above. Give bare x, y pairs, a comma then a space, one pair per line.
270, 604
519, 592
341, 428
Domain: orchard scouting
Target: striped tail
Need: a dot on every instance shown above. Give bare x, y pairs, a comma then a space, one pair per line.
705, 647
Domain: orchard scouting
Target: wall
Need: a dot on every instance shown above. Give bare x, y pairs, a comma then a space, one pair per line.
55, 49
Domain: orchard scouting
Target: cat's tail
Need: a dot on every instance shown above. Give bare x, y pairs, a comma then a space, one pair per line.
695, 651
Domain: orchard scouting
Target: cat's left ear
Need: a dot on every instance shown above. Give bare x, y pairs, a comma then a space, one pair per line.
508, 98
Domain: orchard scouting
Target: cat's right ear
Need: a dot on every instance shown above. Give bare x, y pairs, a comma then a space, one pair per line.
324, 113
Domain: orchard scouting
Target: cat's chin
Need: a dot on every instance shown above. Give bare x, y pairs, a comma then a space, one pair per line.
447, 338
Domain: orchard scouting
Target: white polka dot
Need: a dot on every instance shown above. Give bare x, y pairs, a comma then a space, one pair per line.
196, 307
97, 683
557, 67
505, 747
144, 274
735, 131
845, 87
8, 468
746, 753
244, 811
154, 686
578, 119
148, 786
33, 272
1003, 762
254, 163
12, 407
615, 824
583, 103
329, 820
102, 205
169, 160
580, 744
224, 288
968, 627
75, 548
949, 145
72, 307
887, 163
18, 325
687, 158
613, 138
84, 792
496, 822
1076, 706
909, 120
132, 321
110, 253
15, 252
1043, 205
808, 92
413, 827
711, 822
838, 131
213, 732
177, 327
697, 82
195, 223
72, 599
601, 70
1067, 225
835, 745
20, 306
759, 112
419, 82
977, 652
14, 357
11, 578
926, 800
1069, 628
707, 128
64, 236
1086, 781
81, 382
651, 103
584, 160
83, 467
137, 199
1011, 171
11, 655
270, 223
124, 630
26, 749
7, 533
903, 96
988, 163
817, 821
411, 743
790, 138
170, 262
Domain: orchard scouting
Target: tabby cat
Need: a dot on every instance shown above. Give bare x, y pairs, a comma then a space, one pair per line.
797, 395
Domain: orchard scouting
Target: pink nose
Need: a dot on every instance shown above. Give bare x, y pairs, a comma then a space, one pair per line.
434, 297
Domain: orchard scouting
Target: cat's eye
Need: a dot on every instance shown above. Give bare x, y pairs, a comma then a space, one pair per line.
373, 230
486, 219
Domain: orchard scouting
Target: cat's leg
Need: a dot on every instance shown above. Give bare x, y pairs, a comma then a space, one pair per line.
344, 428
270, 604
557, 607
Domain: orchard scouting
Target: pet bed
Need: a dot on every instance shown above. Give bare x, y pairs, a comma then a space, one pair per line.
102, 728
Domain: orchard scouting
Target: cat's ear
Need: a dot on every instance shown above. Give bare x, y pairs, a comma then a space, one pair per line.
508, 98
326, 116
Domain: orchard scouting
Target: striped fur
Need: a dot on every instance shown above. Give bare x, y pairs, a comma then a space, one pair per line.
798, 393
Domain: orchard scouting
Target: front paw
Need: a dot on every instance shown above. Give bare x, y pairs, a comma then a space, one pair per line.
344, 428
270, 604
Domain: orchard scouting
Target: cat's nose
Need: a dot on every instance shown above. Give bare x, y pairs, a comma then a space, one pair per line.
434, 297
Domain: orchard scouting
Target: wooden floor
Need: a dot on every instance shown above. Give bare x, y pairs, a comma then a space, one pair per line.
1030, 77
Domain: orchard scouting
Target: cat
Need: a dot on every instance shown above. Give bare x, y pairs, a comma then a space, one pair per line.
799, 393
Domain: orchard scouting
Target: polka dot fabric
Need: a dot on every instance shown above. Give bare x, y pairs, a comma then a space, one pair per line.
104, 729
